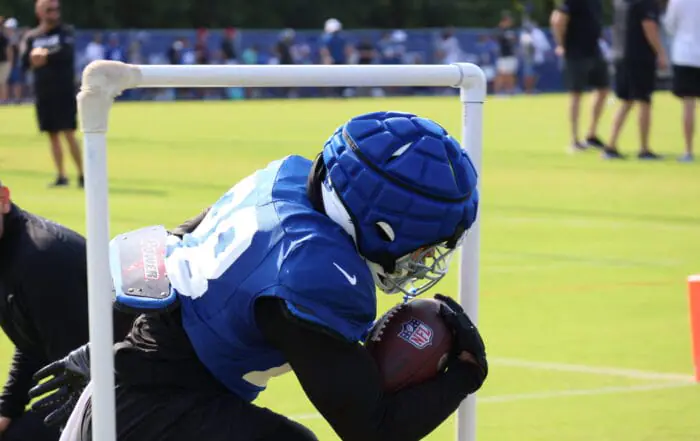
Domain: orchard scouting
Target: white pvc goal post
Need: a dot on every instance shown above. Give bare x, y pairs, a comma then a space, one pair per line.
103, 81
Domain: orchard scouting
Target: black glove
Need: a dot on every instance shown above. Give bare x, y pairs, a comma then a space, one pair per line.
467, 339
70, 376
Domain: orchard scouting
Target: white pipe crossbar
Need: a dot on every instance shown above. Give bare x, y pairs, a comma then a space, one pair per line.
103, 81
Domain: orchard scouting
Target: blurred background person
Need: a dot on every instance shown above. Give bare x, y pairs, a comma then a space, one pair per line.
682, 21
94, 50
507, 62
48, 50
334, 48
577, 28
637, 51
487, 53
283, 52
114, 50
228, 46
534, 48
15, 81
6, 61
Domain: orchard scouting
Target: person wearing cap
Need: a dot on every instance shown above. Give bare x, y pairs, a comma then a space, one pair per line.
43, 309
334, 47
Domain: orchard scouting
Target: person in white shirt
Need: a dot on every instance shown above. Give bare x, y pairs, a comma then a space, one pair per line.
682, 21
94, 50
534, 49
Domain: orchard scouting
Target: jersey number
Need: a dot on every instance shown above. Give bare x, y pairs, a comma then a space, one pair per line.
225, 233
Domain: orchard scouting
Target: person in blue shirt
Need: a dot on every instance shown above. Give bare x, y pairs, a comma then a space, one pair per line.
280, 275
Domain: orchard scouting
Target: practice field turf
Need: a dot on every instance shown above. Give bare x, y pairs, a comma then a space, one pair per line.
584, 261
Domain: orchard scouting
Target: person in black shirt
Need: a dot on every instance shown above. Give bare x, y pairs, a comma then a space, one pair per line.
507, 62
49, 51
577, 27
637, 51
43, 308
228, 46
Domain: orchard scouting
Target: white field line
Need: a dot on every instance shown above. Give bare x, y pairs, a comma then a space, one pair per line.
550, 394
594, 370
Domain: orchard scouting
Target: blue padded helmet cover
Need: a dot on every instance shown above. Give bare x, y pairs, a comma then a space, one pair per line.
405, 171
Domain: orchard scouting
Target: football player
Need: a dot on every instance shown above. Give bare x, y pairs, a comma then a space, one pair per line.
279, 275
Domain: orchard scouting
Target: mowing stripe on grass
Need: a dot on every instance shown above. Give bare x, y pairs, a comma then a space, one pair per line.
550, 394
594, 370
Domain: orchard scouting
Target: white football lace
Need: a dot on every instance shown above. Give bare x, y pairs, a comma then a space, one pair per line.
384, 321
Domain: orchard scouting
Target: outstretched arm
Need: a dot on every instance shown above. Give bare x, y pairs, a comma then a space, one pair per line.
342, 381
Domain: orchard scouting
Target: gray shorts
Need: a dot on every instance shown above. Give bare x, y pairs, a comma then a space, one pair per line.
581, 74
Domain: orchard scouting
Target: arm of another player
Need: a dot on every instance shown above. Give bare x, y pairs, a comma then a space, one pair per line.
559, 21
342, 380
650, 25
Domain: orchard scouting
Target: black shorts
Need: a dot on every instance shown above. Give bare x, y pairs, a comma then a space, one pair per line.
686, 81
581, 74
635, 81
57, 112
184, 415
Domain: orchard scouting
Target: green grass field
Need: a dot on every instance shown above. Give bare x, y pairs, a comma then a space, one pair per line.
584, 261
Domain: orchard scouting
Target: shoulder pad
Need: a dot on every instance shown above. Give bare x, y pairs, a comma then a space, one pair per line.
137, 264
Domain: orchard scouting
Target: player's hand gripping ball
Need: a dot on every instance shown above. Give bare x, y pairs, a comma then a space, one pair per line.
411, 343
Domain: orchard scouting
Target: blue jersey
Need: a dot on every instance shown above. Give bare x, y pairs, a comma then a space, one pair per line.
263, 238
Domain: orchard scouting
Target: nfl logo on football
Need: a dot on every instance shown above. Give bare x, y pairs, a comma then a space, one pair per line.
416, 333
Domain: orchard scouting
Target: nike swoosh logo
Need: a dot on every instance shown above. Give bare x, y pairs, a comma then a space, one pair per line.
351, 279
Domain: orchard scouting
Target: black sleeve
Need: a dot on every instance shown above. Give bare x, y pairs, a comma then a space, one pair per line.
650, 11
14, 396
566, 6
189, 225
342, 381
65, 50
26, 48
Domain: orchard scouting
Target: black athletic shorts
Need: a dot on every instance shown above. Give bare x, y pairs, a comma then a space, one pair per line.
57, 112
581, 74
175, 414
686, 81
635, 81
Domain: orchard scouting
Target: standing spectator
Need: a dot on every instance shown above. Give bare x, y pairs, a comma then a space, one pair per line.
114, 50
48, 50
43, 309
577, 26
15, 82
637, 50
366, 54
334, 48
94, 50
228, 46
487, 53
448, 50
534, 47
507, 62
6, 62
283, 52
683, 23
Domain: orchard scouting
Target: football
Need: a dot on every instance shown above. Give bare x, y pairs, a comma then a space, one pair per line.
410, 343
